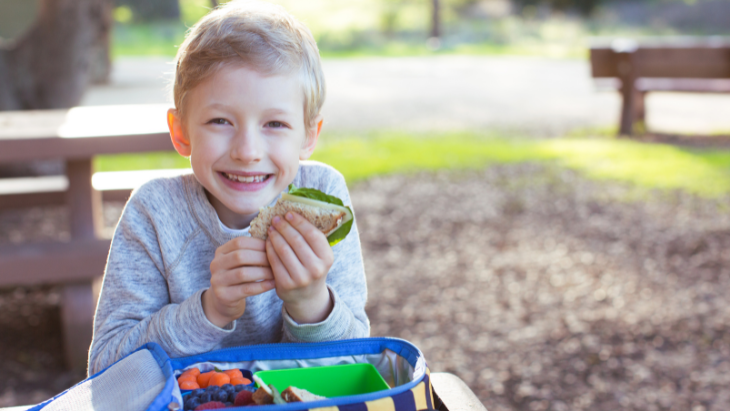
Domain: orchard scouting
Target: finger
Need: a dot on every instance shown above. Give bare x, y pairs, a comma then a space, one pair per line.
249, 289
281, 275
316, 239
238, 243
239, 258
243, 275
296, 241
288, 257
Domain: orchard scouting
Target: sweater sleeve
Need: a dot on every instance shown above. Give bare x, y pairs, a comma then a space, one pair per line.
346, 282
134, 305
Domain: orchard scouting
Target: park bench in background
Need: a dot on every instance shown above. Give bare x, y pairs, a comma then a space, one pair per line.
75, 136
677, 65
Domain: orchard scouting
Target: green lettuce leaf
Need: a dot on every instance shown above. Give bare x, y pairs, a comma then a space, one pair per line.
314, 194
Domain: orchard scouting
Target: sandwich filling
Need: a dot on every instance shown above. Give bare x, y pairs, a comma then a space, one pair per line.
334, 220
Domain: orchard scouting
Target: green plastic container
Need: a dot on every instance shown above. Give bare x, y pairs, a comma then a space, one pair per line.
330, 381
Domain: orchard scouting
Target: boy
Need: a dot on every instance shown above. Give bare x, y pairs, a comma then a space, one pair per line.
182, 270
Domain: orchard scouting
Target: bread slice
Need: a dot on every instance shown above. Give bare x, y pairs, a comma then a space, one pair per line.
294, 394
326, 217
263, 396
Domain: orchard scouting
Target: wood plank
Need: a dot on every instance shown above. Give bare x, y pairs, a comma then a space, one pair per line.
53, 147
83, 122
707, 62
77, 319
52, 263
83, 132
50, 190
454, 394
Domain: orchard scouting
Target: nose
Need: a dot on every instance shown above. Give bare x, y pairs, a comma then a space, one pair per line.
247, 147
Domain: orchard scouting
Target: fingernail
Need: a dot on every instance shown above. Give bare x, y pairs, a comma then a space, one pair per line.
271, 228
276, 219
289, 216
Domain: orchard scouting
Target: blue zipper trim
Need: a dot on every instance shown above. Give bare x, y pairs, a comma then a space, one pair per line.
292, 351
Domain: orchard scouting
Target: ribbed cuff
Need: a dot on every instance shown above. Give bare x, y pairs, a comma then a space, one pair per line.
206, 333
335, 327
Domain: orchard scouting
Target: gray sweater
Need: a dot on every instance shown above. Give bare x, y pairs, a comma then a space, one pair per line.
159, 266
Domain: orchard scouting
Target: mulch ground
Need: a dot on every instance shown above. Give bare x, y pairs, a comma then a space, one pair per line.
542, 290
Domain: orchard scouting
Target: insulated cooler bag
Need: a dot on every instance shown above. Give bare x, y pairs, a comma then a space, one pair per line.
146, 378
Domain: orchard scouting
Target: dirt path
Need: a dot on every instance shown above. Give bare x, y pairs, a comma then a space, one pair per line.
516, 94
542, 290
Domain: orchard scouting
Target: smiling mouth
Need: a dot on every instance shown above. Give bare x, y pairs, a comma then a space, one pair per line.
247, 179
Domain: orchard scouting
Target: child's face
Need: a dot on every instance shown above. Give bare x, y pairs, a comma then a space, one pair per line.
245, 134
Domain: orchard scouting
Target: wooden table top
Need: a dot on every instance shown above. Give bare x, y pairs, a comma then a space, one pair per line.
82, 132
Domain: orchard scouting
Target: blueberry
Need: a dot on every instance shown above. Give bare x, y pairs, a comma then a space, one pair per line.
221, 396
197, 392
232, 397
227, 387
213, 388
192, 403
205, 398
238, 387
229, 404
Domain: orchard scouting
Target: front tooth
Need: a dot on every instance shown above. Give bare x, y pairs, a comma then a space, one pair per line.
244, 179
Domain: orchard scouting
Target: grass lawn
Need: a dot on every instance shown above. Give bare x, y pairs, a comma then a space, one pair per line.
649, 166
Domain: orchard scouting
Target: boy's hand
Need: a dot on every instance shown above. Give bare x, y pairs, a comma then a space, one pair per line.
300, 258
239, 269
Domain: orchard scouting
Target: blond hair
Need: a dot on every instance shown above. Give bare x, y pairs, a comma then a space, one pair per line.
257, 34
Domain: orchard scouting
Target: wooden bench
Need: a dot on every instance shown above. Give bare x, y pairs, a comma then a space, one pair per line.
75, 136
677, 65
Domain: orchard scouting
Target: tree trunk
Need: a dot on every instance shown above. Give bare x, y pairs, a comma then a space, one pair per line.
52, 65
435, 19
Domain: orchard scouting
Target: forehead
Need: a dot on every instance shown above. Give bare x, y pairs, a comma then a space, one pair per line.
237, 85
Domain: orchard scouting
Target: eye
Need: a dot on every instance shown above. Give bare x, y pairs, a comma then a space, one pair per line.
219, 121
276, 124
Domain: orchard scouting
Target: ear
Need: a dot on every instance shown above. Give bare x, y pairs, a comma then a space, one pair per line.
312, 137
177, 133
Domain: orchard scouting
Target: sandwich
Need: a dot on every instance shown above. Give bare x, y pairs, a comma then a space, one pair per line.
294, 394
268, 394
324, 211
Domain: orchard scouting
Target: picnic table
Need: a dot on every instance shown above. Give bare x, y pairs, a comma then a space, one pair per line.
682, 64
75, 136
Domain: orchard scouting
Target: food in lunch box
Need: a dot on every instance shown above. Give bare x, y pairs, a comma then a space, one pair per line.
190, 380
211, 405
226, 394
264, 395
324, 211
204, 378
243, 398
294, 394
219, 379
270, 395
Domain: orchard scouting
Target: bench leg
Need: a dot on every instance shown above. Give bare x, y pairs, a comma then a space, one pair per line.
77, 319
77, 310
627, 62
84, 203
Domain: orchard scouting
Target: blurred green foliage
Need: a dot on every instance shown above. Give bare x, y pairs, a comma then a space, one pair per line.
550, 28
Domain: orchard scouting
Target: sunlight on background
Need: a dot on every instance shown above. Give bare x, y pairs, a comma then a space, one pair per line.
397, 27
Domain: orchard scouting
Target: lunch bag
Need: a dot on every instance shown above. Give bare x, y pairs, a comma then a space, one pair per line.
146, 378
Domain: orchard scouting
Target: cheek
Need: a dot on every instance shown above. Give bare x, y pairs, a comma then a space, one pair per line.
204, 154
286, 156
